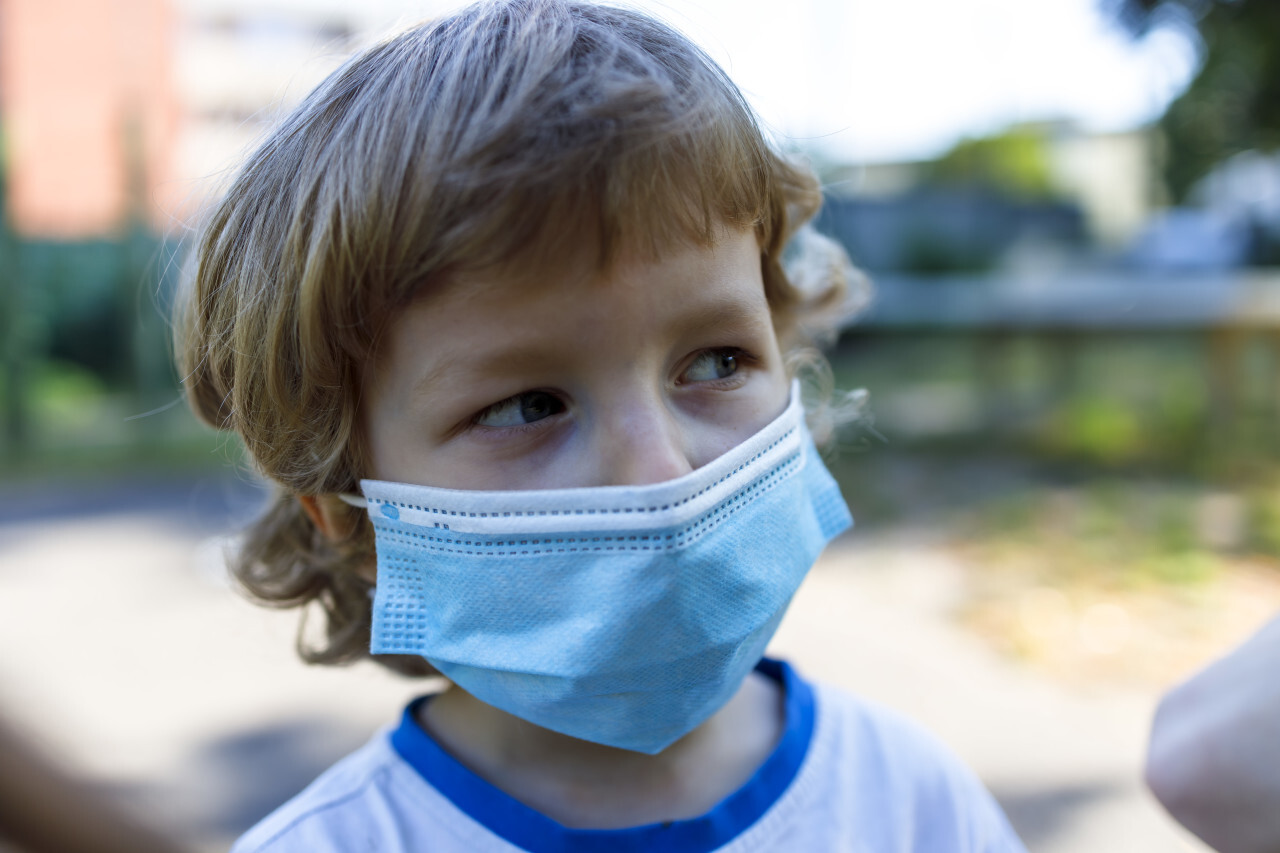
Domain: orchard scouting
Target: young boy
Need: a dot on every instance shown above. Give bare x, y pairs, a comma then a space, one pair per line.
501, 308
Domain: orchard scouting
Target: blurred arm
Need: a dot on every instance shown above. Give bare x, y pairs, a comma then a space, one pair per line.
1214, 757
43, 810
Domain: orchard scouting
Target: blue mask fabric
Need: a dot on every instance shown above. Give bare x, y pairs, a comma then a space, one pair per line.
623, 615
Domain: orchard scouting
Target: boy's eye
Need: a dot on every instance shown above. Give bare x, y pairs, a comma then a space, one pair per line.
520, 409
712, 365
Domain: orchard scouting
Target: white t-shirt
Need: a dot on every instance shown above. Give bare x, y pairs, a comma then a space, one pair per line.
846, 776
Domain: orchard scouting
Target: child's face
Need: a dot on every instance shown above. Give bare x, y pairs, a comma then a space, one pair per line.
579, 379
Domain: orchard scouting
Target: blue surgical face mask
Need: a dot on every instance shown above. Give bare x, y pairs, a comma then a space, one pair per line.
620, 615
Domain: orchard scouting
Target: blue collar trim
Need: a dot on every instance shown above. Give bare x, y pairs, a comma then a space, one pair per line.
530, 830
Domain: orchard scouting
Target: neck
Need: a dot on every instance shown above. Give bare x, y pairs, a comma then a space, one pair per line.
588, 785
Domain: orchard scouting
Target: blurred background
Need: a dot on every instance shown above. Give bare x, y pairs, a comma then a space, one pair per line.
1066, 485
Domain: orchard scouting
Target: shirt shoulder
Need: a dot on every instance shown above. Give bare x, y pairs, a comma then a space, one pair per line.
370, 801
332, 801
875, 780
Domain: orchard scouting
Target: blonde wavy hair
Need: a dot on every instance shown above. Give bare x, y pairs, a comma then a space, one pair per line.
486, 140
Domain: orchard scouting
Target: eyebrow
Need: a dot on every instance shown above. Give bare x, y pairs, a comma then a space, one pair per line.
733, 315
724, 312
478, 362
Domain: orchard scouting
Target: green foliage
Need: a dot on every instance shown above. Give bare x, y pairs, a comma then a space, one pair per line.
65, 394
1184, 568
1014, 164
1120, 402
87, 297
1233, 102
1114, 533
1094, 429
1264, 520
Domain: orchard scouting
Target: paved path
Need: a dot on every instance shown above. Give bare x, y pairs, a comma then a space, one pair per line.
125, 652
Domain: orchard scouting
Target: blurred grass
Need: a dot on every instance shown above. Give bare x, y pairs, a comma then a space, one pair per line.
86, 370
79, 427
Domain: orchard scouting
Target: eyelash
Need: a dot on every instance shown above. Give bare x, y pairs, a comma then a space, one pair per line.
514, 398
743, 358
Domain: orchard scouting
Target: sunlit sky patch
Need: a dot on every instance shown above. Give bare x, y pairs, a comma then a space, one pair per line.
876, 80
880, 80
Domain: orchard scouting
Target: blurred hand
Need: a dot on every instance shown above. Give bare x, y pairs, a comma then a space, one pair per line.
1214, 757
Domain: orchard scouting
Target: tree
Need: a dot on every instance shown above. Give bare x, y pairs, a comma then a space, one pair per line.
1233, 102
1014, 163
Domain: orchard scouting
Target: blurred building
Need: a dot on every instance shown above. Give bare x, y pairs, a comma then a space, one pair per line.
124, 110
932, 231
237, 66
90, 114
1113, 177
1098, 192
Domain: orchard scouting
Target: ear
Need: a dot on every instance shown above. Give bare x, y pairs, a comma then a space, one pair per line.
329, 519
337, 523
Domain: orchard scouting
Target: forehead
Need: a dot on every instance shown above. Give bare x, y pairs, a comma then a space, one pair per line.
584, 262
514, 312
684, 275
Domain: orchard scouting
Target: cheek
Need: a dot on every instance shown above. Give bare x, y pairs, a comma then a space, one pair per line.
775, 393
395, 436
775, 399
379, 443
394, 449
748, 414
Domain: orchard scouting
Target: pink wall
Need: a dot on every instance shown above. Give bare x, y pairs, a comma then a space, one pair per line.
89, 108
